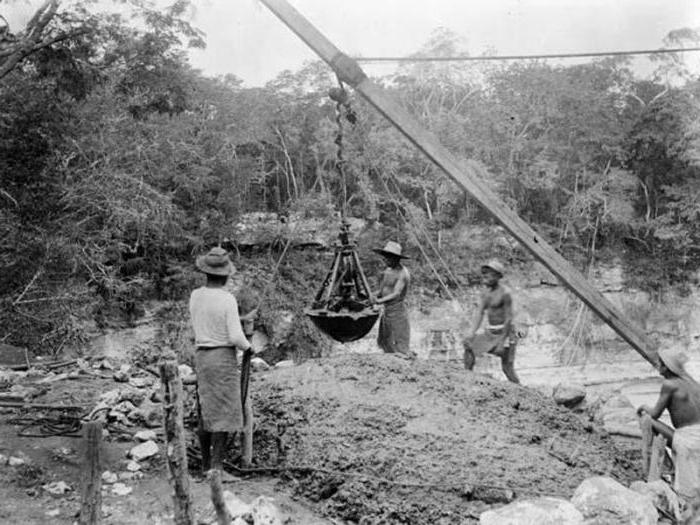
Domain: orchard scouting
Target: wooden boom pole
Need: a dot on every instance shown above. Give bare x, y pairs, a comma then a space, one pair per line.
350, 72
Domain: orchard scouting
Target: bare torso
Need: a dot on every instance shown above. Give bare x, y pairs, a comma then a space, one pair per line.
684, 401
390, 278
496, 303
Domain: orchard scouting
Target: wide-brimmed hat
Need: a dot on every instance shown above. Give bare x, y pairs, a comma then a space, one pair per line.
216, 262
496, 266
674, 360
391, 249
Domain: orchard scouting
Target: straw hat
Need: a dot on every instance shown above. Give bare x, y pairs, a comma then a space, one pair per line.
216, 262
496, 266
674, 360
392, 249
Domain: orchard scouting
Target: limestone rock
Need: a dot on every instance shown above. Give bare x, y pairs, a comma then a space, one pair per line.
265, 512
259, 365
662, 496
603, 500
145, 435
284, 364
141, 382
16, 461
618, 416
122, 375
109, 477
538, 511
133, 466
568, 395
57, 488
119, 489
143, 451
149, 414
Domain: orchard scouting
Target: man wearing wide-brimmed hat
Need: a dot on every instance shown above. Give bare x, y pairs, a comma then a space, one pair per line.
499, 337
680, 395
394, 328
218, 334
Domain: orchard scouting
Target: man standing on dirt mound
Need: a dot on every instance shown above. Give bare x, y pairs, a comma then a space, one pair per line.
680, 395
499, 338
394, 328
218, 333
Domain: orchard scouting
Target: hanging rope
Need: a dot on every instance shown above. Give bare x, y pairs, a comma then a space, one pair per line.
340, 96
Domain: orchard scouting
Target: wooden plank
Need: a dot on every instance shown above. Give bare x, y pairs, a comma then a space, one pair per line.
465, 176
658, 454
175, 443
91, 497
647, 440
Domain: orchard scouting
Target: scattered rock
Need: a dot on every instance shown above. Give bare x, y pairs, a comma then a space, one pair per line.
284, 364
618, 416
25, 392
156, 396
57, 488
16, 461
150, 414
109, 477
185, 370
53, 513
146, 435
122, 375
143, 451
3, 460
120, 489
259, 365
103, 365
141, 382
236, 506
133, 466
134, 396
661, 494
603, 500
539, 511
568, 395
126, 476
265, 512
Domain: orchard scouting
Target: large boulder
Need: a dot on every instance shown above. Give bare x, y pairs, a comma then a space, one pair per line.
604, 501
661, 494
618, 416
568, 395
539, 511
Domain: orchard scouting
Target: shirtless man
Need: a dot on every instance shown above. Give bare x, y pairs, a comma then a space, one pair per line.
394, 328
680, 395
499, 338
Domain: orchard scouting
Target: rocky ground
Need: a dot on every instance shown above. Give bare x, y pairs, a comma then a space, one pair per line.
349, 439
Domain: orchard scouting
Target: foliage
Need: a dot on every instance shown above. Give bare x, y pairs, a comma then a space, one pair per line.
119, 162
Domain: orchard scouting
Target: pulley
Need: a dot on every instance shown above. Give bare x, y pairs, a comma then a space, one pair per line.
342, 308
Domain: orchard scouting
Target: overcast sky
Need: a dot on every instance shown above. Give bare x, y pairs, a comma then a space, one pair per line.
246, 39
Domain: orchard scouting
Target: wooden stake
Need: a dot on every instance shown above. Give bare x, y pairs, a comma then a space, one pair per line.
91, 500
647, 438
247, 440
176, 447
656, 462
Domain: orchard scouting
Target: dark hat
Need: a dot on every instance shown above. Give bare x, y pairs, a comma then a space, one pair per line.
391, 249
216, 262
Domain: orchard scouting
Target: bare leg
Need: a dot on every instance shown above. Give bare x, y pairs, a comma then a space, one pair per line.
508, 364
219, 441
469, 358
204, 439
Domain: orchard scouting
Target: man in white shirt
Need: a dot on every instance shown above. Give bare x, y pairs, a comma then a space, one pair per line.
218, 334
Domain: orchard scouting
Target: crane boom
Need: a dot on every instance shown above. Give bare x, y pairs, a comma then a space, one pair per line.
350, 72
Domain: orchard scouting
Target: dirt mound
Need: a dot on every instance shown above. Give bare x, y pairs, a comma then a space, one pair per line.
393, 441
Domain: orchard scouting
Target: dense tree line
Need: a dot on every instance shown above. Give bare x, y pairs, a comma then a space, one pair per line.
119, 160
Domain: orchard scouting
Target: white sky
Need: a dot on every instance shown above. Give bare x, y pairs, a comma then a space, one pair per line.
246, 39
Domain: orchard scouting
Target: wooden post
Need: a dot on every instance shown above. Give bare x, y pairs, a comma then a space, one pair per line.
223, 517
647, 438
247, 438
658, 454
175, 444
466, 176
91, 500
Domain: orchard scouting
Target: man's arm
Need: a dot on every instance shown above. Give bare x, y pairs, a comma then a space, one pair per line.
479, 316
399, 286
233, 325
667, 390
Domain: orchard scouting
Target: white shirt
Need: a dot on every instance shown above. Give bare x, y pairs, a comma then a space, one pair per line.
214, 315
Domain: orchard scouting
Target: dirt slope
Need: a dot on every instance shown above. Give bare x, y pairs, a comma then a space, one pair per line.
423, 442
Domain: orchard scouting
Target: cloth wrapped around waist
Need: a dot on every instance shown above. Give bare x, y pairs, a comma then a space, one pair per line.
219, 389
495, 340
394, 329
686, 447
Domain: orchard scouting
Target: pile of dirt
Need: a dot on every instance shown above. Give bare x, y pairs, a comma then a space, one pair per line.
387, 440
